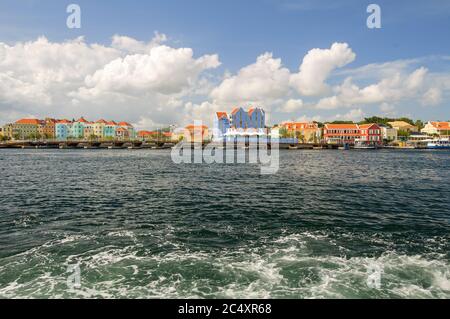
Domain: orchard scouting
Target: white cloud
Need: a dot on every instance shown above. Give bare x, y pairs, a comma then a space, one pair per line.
131, 45
432, 97
317, 66
127, 80
291, 105
265, 80
163, 70
392, 89
352, 115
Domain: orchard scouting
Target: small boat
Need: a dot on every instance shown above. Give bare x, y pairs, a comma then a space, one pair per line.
360, 145
439, 144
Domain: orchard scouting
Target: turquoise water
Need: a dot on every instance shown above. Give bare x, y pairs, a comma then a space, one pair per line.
140, 226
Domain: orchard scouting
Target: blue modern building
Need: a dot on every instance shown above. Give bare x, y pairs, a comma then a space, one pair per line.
254, 118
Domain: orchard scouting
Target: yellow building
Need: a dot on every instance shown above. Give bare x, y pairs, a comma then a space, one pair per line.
98, 128
404, 126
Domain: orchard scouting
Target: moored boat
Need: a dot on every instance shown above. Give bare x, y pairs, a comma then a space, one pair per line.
439, 144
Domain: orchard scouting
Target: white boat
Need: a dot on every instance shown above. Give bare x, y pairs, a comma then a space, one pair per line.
360, 145
439, 144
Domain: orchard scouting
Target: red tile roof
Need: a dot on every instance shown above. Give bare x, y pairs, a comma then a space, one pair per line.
29, 121
64, 121
125, 124
441, 125
101, 121
341, 126
82, 120
146, 133
367, 126
221, 115
235, 110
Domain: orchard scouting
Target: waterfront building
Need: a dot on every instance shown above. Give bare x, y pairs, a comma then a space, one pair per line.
388, 134
77, 129
47, 128
1, 132
88, 130
341, 133
99, 128
127, 126
8, 131
196, 134
109, 130
146, 135
122, 134
306, 132
370, 134
221, 124
63, 129
437, 128
254, 118
26, 128
403, 126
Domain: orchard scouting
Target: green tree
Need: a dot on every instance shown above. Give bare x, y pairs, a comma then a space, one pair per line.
283, 132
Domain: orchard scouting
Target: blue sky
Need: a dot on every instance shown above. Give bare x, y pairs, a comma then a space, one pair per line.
240, 31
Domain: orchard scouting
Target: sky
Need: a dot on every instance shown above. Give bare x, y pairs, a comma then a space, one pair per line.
155, 63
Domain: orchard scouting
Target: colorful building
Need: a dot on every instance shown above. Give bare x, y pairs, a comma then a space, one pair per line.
196, 134
341, 134
26, 128
306, 132
238, 119
63, 129
222, 124
47, 128
370, 134
130, 129
99, 128
437, 128
109, 130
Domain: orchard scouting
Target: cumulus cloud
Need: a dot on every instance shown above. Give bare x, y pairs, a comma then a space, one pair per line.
317, 66
391, 89
291, 105
124, 80
264, 80
164, 70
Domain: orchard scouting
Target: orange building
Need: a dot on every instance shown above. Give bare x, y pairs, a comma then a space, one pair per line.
304, 131
196, 134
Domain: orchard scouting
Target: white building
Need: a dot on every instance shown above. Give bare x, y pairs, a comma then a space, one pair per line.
389, 134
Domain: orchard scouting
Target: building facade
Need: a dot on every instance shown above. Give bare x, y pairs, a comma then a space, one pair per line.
63, 129
238, 119
341, 134
437, 128
389, 134
26, 129
306, 132
196, 134
370, 134
109, 130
